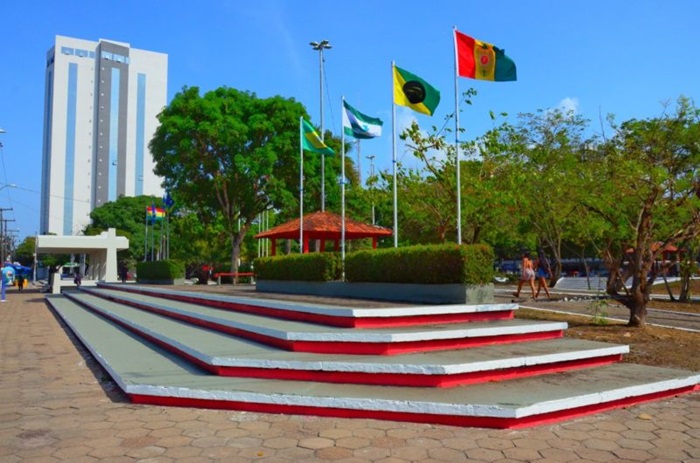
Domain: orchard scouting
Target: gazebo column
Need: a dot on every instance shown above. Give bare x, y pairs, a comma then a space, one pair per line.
374, 242
337, 245
274, 246
305, 246
323, 245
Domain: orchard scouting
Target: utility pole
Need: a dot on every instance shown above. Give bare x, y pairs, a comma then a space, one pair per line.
3, 227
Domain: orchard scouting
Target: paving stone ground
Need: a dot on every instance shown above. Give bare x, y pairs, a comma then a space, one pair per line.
57, 404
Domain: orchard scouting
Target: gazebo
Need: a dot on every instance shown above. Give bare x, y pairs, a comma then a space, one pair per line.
324, 226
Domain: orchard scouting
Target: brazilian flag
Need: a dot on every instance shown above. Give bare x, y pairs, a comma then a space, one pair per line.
415, 93
312, 142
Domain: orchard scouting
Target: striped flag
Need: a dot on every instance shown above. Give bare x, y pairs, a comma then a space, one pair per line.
358, 125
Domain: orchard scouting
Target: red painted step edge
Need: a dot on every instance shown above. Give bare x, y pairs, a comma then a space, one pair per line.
329, 320
394, 379
452, 420
352, 348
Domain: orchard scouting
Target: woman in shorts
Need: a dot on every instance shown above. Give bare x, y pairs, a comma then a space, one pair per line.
527, 274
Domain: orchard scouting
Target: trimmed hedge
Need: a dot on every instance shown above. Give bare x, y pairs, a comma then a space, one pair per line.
316, 266
432, 264
160, 270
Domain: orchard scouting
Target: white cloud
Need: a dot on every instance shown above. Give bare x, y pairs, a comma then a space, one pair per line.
569, 104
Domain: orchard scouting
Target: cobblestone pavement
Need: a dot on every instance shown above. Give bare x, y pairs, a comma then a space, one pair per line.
56, 404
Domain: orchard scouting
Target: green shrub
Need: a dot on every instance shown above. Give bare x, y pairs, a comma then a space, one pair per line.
316, 266
433, 264
160, 270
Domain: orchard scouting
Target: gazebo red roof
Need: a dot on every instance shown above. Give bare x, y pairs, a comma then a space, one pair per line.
325, 225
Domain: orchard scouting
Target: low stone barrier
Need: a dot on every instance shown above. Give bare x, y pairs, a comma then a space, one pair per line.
396, 292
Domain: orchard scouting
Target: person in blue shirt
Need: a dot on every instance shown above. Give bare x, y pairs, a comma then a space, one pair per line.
543, 270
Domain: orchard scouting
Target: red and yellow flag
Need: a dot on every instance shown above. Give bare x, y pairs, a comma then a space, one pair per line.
482, 61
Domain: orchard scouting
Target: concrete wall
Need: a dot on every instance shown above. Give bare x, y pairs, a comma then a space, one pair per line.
397, 292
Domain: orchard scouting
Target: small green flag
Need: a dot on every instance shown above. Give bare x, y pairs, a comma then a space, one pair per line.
312, 142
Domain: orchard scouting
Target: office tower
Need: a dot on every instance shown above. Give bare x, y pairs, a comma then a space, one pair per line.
100, 112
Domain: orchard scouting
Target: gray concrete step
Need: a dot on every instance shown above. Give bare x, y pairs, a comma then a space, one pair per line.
231, 356
308, 337
150, 374
333, 315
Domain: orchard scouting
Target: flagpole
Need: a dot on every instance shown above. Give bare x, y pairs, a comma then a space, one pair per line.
167, 234
301, 187
153, 233
457, 165
359, 162
393, 157
342, 196
145, 237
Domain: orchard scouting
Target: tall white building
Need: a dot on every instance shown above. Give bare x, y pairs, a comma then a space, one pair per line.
100, 112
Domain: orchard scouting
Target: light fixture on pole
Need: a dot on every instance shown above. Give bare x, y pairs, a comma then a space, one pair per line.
320, 46
371, 179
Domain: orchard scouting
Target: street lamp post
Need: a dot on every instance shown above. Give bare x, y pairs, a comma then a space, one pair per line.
371, 176
320, 46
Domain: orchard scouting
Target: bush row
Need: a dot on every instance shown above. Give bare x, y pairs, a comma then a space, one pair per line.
316, 266
434, 264
160, 270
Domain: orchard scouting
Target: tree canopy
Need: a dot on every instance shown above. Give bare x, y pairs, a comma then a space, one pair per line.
231, 154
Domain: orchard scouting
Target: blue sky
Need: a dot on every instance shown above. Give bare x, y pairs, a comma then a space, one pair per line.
596, 57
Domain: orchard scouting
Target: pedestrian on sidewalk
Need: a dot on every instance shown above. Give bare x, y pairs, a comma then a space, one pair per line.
527, 274
542, 272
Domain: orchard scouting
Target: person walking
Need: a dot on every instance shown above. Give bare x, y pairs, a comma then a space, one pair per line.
20, 281
527, 274
542, 272
78, 278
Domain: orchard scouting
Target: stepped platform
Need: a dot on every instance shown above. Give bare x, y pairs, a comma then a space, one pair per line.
156, 358
348, 317
225, 355
300, 336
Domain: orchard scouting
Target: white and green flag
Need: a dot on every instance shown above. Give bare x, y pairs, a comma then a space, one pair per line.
358, 125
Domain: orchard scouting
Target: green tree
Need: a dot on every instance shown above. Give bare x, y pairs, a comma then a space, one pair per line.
231, 153
24, 254
649, 198
541, 154
128, 216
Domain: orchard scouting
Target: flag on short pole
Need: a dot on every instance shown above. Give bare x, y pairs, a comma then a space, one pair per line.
312, 142
154, 214
482, 61
358, 125
415, 93
168, 201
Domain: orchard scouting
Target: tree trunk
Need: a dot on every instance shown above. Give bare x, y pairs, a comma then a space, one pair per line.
235, 253
668, 287
638, 309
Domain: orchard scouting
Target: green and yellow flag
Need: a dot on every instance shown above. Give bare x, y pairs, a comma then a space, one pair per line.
415, 93
312, 142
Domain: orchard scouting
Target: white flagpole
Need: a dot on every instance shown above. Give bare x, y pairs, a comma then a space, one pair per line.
301, 186
145, 238
342, 196
459, 187
359, 161
393, 157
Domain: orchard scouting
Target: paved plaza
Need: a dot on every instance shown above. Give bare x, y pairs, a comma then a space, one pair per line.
57, 404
